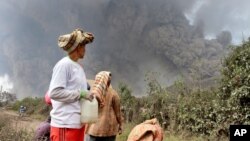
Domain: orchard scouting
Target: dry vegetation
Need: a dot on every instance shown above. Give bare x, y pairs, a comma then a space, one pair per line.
12, 128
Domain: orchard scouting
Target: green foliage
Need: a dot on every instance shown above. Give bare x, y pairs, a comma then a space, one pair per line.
155, 104
197, 112
207, 112
236, 75
125, 92
126, 130
160, 102
153, 86
235, 88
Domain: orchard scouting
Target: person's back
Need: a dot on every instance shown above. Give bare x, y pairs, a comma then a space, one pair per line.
149, 130
107, 124
42, 132
109, 120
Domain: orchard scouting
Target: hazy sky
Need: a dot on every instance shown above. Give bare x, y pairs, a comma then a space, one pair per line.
27, 27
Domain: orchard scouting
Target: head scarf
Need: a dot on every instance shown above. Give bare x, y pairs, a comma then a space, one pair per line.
69, 42
101, 85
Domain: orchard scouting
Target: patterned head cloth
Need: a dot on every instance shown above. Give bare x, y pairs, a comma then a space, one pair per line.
101, 85
69, 42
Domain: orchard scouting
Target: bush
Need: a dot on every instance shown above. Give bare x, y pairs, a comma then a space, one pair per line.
197, 112
35, 106
236, 78
235, 88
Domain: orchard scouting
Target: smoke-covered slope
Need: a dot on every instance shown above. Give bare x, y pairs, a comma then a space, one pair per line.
147, 36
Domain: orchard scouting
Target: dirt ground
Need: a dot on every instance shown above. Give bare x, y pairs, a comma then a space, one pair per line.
25, 122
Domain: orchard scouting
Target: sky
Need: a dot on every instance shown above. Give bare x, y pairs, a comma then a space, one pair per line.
29, 30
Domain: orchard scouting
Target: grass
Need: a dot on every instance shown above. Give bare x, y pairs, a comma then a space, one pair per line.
126, 130
10, 132
168, 136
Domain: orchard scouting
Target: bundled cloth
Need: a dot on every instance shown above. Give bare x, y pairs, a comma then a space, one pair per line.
100, 86
150, 130
69, 42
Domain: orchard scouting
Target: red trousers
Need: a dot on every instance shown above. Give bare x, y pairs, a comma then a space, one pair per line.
66, 134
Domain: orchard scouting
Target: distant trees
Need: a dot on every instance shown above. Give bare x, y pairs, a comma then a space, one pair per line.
6, 98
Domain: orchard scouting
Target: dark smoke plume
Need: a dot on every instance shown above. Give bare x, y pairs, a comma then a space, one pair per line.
132, 39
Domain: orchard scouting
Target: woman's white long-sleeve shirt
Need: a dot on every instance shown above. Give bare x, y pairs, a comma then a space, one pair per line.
67, 80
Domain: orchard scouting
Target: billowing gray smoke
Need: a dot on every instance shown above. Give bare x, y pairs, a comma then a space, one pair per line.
132, 38
149, 36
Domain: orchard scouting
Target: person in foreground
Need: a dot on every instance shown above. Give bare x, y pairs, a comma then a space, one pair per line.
42, 132
149, 130
109, 122
67, 86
